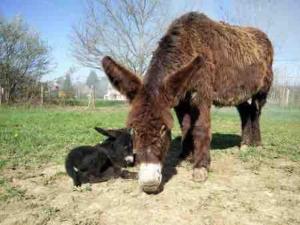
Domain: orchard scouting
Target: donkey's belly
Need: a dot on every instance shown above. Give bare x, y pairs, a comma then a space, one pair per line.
232, 97
234, 86
236, 93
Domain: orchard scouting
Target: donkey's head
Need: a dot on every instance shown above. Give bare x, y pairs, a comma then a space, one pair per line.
150, 115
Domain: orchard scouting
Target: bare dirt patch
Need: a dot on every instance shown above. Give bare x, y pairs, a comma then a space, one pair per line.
236, 192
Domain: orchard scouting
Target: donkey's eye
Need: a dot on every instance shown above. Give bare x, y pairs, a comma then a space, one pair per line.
163, 130
134, 132
131, 131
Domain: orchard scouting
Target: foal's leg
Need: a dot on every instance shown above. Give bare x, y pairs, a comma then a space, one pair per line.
245, 114
201, 137
258, 101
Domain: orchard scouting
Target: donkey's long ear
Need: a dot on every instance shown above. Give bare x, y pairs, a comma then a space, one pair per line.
176, 84
112, 133
126, 82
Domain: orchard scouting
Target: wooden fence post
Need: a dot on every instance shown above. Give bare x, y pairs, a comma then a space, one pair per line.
49, 94
91, 97
1, 95
42, 94
94, 96
287, 96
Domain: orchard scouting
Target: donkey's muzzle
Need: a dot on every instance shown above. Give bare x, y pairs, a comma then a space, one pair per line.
150, 177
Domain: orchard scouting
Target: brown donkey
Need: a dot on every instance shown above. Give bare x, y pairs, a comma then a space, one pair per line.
198, 62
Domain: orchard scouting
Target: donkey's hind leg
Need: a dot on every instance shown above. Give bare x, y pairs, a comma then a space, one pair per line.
250, 114
244, 110
258, 101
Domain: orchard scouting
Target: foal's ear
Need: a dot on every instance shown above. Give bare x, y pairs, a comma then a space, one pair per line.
176, 84
126, 82
112, 133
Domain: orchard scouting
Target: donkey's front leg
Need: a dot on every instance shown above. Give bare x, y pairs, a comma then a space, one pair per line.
202, 137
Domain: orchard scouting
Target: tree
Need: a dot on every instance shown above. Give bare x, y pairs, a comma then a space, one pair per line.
126, 30
101, 88
99, 84
92, 79
67, 86
24, 58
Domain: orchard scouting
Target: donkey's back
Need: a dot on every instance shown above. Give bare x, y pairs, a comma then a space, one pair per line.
238, 59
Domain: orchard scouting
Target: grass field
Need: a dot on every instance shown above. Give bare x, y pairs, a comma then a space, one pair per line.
37, 139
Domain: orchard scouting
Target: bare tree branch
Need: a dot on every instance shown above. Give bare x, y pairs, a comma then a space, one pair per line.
127, 30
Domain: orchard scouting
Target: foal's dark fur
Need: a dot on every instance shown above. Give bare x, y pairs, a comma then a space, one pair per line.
103, 161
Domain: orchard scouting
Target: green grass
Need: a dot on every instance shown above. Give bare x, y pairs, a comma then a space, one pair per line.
82, 102
280, 129
98, 103
35, 136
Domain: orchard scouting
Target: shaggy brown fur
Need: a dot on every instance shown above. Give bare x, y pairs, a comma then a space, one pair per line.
199, 62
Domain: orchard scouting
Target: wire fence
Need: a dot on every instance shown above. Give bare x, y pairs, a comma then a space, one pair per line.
285, 91
285, 95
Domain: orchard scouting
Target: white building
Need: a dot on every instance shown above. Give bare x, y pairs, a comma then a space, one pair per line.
113, 94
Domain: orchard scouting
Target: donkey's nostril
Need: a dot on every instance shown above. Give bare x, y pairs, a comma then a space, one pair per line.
150, 177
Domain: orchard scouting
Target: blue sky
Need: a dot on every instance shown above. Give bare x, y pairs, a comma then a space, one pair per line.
54, 19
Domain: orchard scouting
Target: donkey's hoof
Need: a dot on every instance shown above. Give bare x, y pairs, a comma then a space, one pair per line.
200, 174
259, 147
244, 147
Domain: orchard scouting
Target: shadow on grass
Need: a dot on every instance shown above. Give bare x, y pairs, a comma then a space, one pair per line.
219, 142
224, 141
